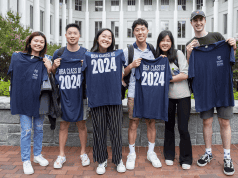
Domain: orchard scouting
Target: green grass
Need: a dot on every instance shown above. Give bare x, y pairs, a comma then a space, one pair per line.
4, 88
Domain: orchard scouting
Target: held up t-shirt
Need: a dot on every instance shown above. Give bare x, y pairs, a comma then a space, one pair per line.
103, 77
210, 67
152, 87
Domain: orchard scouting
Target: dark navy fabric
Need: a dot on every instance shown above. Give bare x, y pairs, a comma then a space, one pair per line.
103, 77
69, 78
152, 87
26, 78
210, 67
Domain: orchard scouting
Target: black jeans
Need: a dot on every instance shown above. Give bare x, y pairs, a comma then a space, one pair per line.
183, 112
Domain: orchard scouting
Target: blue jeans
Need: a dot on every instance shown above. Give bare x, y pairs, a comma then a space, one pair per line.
26, 127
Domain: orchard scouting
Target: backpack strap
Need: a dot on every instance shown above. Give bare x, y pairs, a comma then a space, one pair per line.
152, 49
60, 52
130, 54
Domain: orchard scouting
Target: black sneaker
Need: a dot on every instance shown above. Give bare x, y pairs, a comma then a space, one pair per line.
228, 167
206, 158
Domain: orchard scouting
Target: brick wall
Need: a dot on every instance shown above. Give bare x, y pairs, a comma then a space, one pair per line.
10, 129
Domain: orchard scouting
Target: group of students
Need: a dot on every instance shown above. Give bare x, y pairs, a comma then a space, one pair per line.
157, 86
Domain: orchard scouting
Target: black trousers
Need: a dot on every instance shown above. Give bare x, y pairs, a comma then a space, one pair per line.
183, 112
104, 117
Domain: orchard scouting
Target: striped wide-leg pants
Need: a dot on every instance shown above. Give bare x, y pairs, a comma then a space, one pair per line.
103, 117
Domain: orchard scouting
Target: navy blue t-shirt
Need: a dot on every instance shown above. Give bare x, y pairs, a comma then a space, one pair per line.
211, 69
26, 78
103, 77
69, 78
152, 87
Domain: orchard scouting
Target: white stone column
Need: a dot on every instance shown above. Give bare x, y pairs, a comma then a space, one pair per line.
56, 19
175, 33
204, 9
194, 8
230, 18
216, 15
3, 7
86, 26
36, 15
63, 23
104, 22
121, 27
139, 11
22, 12
47, 20
70, 12
157, 20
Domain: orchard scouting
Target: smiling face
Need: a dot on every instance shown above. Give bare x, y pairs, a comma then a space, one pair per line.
72, 35
37, 45
198, 23
140, 32
165, 44
104, 40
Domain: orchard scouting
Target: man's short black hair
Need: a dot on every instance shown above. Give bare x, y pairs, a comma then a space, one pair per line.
72, 25
139, 22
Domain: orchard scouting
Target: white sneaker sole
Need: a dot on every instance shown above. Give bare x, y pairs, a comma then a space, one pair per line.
100, 173
229, 173
169, 163
130, 168
121, 171
86, 164
28, 173
201, 165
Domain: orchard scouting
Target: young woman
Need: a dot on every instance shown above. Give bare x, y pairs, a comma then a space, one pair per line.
103, 70
28, 69
180, 97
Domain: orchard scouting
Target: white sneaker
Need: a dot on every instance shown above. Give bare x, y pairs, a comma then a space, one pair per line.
27, 167
152, 157
121, 167
101, 169
41, 160
59, 162
85, 159
186, 166
169, 162
131, 159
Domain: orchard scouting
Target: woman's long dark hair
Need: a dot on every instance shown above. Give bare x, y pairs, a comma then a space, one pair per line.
28, 49
171, 53
95, 47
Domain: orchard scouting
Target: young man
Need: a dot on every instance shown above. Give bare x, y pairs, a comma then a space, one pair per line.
141, 49
71, 52
202, 37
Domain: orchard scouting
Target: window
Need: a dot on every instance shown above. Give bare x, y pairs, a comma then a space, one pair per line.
181, 29
42, 21
150, 29
60, 27
61, 1
181, 5
114, 5
129, 30
182, 48
165, 5
225, 0
98, 5
80, 26
225, 23
237, 22
199, 4
212, 24
31, 16
116, 46
164, 25
18, 6
51, 22
131, 5
147, 5
51, 1
115, 28
78, 5
98, 26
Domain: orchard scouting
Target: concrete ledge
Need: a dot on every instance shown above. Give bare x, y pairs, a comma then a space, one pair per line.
10, 129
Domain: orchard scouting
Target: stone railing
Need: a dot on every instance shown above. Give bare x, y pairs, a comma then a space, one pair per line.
10, 129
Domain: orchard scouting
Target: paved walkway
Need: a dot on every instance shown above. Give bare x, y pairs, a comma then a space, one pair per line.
11, 165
